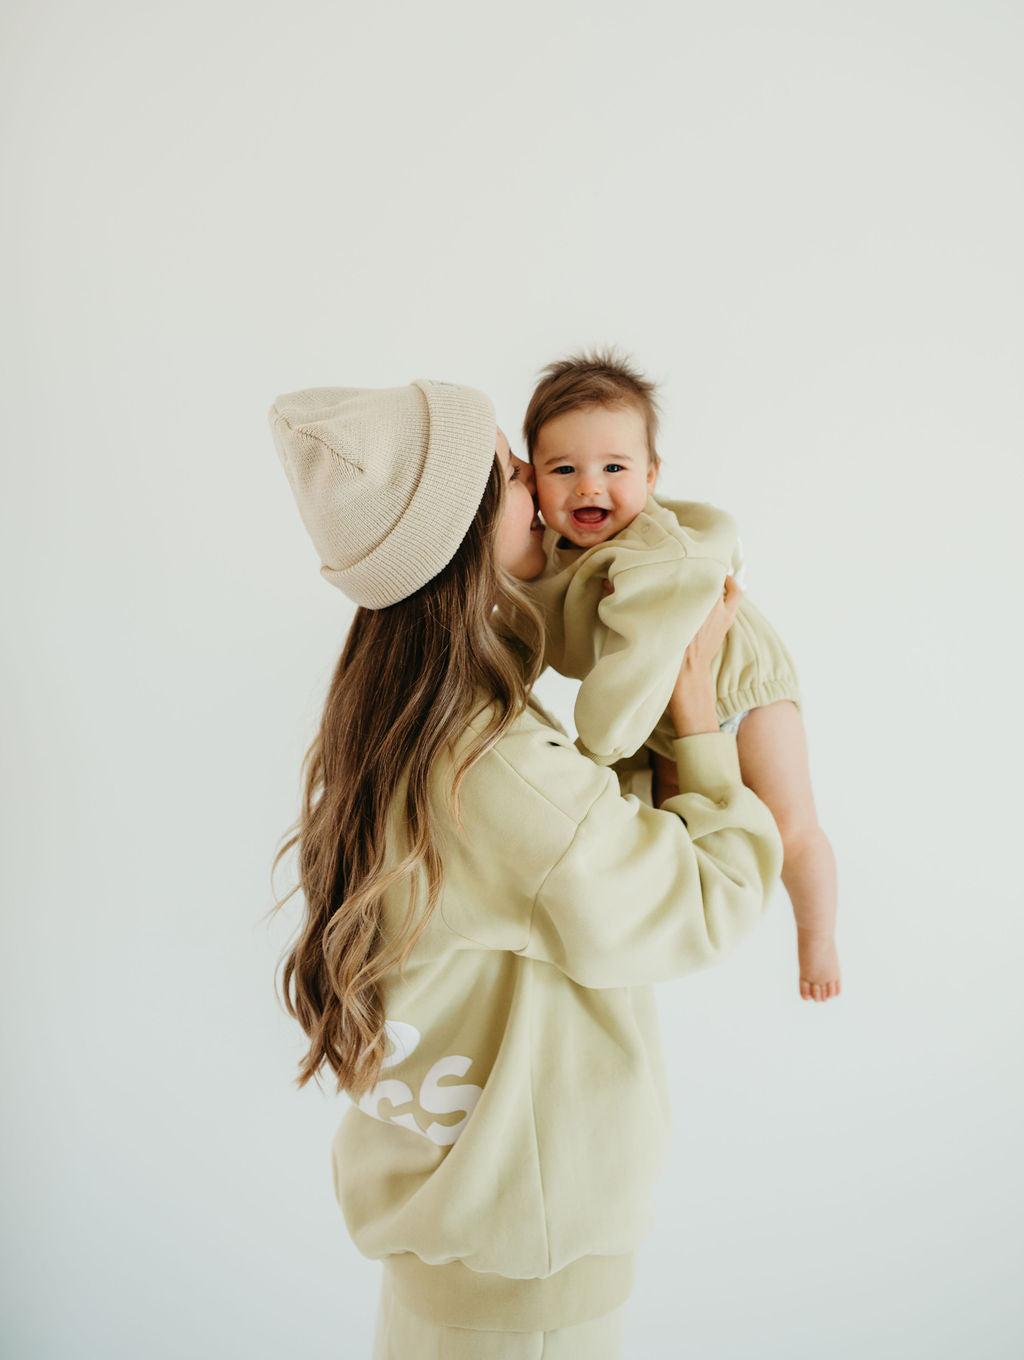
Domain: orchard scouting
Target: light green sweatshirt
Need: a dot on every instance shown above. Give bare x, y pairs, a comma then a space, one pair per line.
504, 1166
668, 567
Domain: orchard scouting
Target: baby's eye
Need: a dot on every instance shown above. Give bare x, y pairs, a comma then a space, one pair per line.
614, 467
564, 468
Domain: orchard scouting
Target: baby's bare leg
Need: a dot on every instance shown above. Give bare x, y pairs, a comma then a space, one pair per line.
773, 761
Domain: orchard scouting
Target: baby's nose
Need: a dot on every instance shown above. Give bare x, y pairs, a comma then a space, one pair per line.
588, 484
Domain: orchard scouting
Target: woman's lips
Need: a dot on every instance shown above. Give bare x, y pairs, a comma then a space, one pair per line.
589, 516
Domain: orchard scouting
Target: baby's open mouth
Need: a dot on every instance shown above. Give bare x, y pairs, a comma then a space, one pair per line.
590, 515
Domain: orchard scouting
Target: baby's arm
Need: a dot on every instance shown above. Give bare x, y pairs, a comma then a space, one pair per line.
657, 581
648, 610
773, 761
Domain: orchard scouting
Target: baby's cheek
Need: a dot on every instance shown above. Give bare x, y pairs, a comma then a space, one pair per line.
547, 496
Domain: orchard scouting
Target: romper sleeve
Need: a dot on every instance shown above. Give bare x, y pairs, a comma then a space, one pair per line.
667, 570
655, 610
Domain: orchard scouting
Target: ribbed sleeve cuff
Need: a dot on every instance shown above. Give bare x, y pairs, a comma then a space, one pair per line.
708, 763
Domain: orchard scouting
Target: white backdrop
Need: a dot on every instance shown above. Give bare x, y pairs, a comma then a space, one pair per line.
805, 219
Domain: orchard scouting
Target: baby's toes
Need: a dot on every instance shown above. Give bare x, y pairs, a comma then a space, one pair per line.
805, 989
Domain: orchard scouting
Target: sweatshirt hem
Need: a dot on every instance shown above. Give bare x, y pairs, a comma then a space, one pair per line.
456, 1296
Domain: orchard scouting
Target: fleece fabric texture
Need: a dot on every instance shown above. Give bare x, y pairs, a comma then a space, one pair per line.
504, 1166
668, 567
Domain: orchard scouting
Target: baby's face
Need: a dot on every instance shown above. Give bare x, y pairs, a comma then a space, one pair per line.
593, 473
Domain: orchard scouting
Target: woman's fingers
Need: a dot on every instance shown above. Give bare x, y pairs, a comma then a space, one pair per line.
732, 597
712, 631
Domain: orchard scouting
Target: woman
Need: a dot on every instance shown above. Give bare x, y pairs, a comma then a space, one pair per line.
485, 909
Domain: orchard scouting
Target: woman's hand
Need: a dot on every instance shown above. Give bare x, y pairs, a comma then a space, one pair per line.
692, 705
709, 637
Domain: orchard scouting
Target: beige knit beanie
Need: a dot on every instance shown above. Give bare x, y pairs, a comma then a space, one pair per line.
387, 480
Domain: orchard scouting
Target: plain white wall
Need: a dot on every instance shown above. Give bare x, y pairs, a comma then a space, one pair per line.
805, 218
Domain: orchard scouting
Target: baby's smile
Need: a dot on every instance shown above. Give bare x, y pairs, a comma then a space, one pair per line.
590, 516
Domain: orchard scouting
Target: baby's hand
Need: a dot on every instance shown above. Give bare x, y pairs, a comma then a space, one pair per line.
819, 966
606, 586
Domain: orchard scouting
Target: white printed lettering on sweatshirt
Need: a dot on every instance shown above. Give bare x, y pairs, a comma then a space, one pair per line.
433, 1097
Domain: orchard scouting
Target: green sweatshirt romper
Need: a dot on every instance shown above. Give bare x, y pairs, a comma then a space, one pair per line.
668, 566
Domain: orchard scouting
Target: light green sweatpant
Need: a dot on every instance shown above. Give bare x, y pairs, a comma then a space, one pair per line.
404, 1335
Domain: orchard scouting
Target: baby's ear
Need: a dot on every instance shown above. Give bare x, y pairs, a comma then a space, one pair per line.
653, 468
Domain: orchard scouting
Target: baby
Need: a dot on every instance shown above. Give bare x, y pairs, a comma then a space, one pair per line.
628, 583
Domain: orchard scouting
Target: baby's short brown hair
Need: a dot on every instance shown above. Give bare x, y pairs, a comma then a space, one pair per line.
598, 379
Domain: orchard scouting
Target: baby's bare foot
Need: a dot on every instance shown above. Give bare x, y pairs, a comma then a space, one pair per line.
819, 966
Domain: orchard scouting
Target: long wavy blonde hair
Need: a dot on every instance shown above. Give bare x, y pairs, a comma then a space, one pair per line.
409, 681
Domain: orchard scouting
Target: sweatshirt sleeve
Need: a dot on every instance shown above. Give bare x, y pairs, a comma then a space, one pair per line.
654, 611
641, 895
